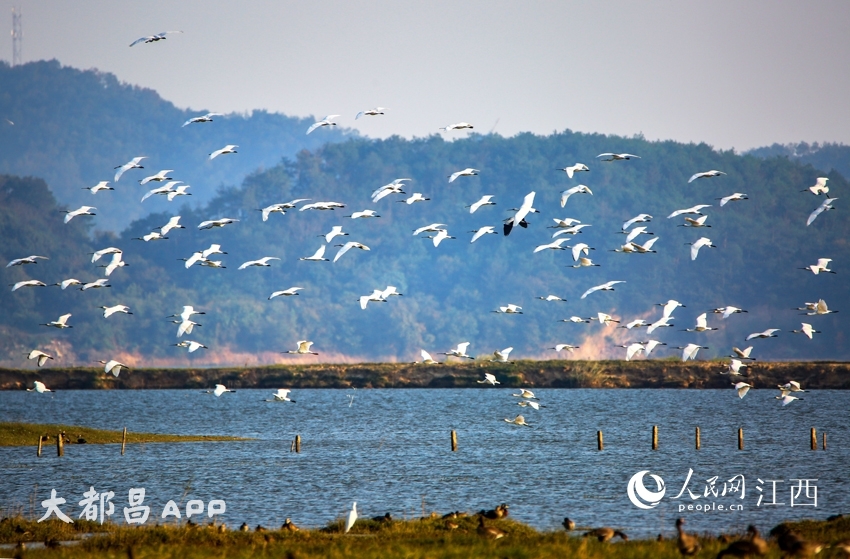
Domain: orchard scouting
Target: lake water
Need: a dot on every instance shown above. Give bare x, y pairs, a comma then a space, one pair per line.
389, 450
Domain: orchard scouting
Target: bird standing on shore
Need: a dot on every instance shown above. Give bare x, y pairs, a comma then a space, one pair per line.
687, 543
352, 517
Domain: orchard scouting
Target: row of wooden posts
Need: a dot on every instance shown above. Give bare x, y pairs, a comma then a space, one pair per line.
295, 446
600, 445
60, 443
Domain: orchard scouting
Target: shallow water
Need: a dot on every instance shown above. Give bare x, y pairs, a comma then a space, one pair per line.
390, 451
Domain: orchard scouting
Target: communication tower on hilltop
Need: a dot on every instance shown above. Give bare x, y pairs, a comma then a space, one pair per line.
17, 36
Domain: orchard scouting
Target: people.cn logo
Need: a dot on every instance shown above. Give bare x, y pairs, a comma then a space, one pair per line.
642, 497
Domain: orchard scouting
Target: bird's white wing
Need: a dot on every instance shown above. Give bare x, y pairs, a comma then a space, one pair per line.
591, 290
648, 244
632, 350
695, 250
151, 193
196, 257
185, 328
314, 126
526, 206
481, 232
819, 210
140, 40
577, 249
345, 248
246, 264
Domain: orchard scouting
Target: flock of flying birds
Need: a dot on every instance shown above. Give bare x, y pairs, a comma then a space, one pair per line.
566, 229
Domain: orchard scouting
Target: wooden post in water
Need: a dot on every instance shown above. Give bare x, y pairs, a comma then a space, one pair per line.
123, 441
39, 446
814, 439
823, 440
697, 438
740, 438
60, 445
454, 441
599, 444
655, 437
297, 443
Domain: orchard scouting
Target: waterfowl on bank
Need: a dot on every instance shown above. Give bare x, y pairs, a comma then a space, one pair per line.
752, 545
688, 544
605, 534
489, 532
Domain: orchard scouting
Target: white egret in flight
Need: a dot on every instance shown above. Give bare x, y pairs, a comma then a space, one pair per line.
132, 164
203, 118
705, 175
327, 121
153, 38
616, 156
229, 148
40, 356
468, 172
574, 169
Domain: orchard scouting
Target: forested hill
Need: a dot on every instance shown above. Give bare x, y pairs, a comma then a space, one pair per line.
825, 156
71, 127
449, 291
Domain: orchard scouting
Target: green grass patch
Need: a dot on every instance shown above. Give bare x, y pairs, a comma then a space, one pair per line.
430, 537
26, 434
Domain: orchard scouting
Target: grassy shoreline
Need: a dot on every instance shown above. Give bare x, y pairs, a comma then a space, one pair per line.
428, 537
26, 434
652, 373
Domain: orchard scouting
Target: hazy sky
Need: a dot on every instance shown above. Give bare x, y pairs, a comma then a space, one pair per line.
729, 73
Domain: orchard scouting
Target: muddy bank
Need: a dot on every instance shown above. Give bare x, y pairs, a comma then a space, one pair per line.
548, 374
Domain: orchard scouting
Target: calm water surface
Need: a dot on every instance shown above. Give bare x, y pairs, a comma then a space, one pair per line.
390, 451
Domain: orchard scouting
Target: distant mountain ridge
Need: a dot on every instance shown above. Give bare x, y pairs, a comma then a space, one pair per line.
71, 127
450, 291
825, 156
